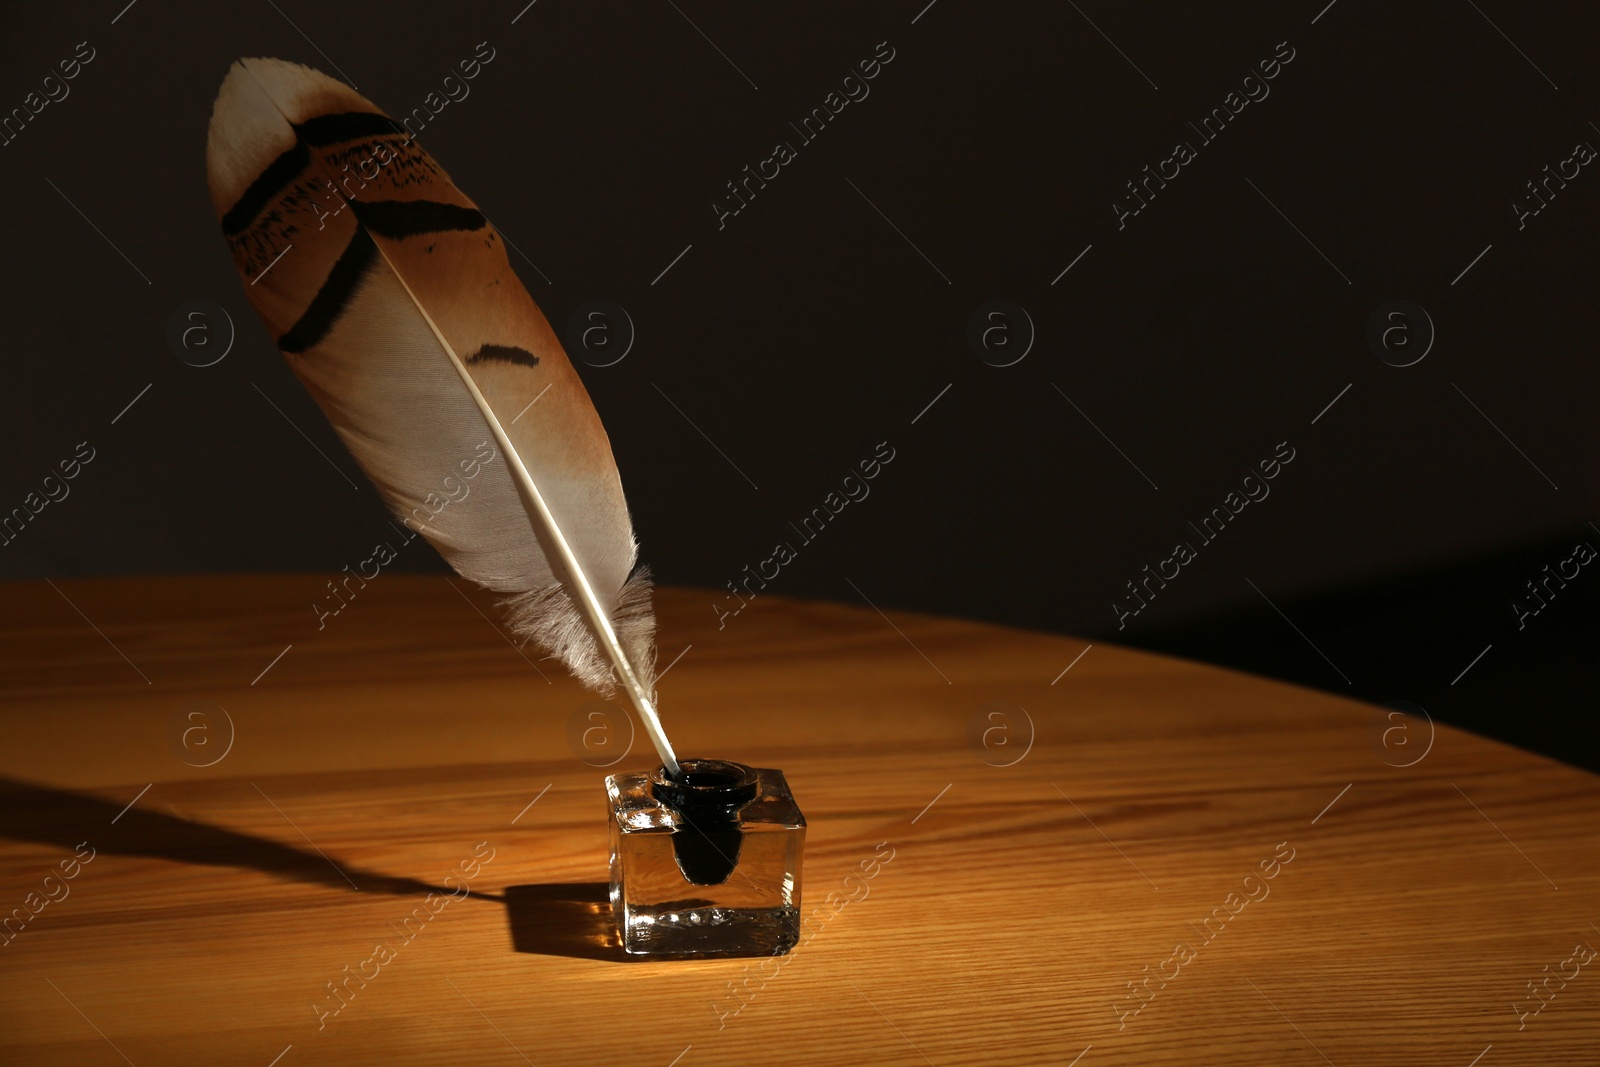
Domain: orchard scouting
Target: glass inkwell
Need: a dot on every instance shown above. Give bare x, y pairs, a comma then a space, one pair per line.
705, 862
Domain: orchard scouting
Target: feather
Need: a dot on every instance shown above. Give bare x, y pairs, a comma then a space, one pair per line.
393, 301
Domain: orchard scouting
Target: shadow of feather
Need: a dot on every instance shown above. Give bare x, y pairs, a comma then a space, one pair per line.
59, 817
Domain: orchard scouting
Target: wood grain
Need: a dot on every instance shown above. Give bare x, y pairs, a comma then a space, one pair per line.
378, 753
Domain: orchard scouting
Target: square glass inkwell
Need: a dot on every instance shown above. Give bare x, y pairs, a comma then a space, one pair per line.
705, 862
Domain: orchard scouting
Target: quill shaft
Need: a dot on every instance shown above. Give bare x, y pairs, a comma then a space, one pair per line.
575, 580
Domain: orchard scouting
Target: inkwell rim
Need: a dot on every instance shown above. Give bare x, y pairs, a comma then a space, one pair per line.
706, 785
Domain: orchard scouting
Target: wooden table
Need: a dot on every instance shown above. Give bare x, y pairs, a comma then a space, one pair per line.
1004, 895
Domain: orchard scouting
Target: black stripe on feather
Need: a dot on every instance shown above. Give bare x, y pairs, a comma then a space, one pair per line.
327, 130
336, 291
408, 218
504, 354
319, 132
268, 184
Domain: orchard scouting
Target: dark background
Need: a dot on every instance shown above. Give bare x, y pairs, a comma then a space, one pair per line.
810, 329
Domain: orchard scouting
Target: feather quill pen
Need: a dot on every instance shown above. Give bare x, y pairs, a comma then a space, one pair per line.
393, 301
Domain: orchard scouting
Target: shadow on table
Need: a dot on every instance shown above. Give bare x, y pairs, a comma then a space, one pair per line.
38, 813
564, 919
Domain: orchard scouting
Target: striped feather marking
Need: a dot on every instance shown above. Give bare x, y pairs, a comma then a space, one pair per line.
504, 354
280, 173
325, 130
408, 218
329, 303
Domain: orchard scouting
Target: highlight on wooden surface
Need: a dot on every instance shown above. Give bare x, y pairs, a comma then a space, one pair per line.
229, 836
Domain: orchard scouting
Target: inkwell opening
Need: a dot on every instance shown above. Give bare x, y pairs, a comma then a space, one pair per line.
708, 793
